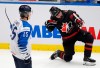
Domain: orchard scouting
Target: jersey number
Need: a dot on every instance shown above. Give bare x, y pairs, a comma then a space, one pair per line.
14, 33
25, 34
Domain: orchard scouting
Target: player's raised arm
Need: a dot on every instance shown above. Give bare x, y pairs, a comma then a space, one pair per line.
76, 18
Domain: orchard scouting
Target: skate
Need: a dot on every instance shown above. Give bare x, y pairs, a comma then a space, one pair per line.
55, 55
89, 62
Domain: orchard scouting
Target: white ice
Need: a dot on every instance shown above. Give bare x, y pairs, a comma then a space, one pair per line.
41, 59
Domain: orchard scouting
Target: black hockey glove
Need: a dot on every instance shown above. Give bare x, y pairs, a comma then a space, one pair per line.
50, 25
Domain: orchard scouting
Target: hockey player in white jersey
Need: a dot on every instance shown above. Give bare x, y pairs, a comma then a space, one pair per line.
21, 32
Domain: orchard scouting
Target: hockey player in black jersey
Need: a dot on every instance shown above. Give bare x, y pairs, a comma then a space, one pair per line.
69, 24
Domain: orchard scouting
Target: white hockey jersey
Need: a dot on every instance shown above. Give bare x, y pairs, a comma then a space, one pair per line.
21, 33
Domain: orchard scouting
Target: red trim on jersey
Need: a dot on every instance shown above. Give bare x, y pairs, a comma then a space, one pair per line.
67, 37
88, 48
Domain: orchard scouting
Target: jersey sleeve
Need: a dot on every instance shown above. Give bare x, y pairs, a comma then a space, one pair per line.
76, 18
14, 29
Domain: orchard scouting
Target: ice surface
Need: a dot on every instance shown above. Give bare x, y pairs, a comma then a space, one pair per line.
41, 59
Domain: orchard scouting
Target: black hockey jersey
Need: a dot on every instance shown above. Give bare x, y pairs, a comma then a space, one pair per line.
68, 26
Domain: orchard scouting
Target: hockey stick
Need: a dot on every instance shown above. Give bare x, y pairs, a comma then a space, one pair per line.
8, 18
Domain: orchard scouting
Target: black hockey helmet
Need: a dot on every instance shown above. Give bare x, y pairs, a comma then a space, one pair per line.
24, 8
54, 11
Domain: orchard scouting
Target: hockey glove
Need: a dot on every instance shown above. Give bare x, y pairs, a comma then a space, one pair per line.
50, 25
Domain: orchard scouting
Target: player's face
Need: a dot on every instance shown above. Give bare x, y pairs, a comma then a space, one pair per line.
59, 15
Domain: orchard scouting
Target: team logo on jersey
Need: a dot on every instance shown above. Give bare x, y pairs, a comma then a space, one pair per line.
64, 27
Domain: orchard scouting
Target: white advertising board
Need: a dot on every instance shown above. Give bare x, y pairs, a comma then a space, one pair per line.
90, 14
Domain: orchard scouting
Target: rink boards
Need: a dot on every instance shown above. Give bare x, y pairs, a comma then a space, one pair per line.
42, 39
